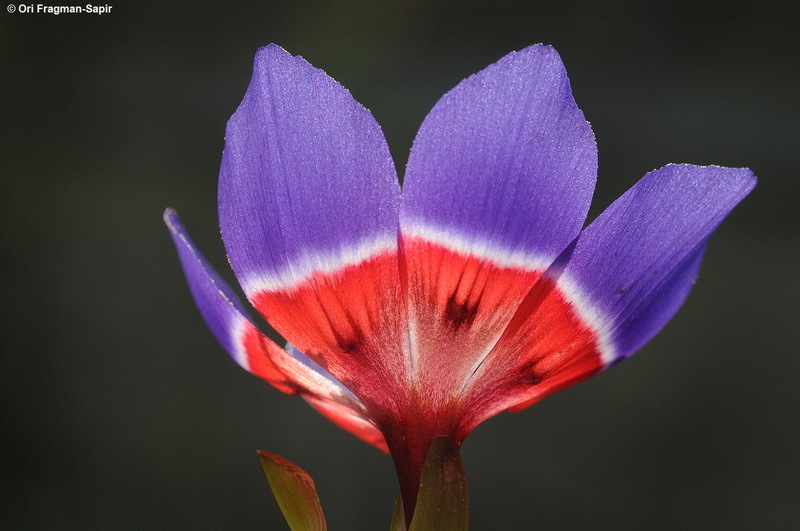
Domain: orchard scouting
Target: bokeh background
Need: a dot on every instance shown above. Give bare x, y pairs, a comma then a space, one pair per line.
119, 410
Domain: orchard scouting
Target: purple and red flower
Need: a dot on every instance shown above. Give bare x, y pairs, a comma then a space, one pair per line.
422, 312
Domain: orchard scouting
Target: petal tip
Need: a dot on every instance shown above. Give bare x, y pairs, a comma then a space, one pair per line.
742, 180
540, 49
273, 56
171, 218
173, 223
748, 178
271, 50
545, 53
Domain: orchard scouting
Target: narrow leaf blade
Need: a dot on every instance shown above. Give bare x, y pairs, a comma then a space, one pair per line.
398, 516
295, 492
442, 502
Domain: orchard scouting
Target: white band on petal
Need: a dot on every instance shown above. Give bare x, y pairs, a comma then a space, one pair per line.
310, 263
475, 246
591, 316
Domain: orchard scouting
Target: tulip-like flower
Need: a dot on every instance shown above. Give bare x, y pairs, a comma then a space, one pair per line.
421, 313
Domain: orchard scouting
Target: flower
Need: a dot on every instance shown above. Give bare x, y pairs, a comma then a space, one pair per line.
474, 291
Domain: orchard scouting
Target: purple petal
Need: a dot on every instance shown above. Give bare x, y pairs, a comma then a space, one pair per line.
611, 290
633, 267
251, 349
220, 308
307, 182
505, 163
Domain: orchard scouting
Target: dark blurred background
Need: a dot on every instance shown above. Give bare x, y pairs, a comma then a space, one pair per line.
119, 410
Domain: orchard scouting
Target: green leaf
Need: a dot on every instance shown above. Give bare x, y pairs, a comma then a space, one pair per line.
295, 492
442, 502
398, 515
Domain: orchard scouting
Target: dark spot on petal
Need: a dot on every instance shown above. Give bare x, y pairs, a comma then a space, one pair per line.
459, 314
349, 341
348, 346
347, 335
529, 375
